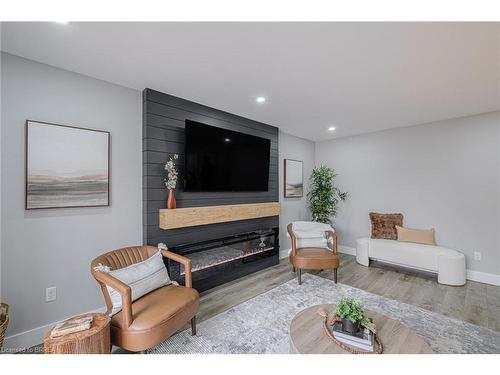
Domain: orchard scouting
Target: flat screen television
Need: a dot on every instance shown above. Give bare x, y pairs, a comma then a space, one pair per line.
217, 159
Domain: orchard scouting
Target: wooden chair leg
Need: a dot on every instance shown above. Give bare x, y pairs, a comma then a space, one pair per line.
300, 276
335, 275
293, 269
193, 326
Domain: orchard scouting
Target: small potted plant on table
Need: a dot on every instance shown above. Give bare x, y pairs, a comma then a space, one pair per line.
351, 313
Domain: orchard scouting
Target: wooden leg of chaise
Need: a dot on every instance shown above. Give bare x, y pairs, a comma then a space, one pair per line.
293, 269
335, 275
300, 276
193, 326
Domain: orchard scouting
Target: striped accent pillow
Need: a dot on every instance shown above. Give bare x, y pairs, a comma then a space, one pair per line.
142, 278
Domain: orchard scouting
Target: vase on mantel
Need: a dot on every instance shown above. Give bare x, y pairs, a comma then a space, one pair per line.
171, 199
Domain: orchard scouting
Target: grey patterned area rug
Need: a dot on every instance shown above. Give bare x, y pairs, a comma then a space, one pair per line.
260, 325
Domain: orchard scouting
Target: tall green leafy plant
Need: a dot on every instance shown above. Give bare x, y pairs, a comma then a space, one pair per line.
323, 196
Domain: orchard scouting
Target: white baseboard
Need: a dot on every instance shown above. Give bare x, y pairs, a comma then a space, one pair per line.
27, 339
471, 275
347, 250
483, 277
284, 253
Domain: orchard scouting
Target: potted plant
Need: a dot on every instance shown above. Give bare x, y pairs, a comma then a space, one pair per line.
351, 313
171, 180
323, 196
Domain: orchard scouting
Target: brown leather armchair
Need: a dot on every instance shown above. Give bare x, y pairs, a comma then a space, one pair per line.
154, 317
314, 258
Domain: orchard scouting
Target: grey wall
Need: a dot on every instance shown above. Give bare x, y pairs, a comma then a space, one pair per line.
444, 175
54, 247
163, 135
293, 209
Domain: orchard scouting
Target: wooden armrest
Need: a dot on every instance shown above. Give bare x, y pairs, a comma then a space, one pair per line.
333, 235
186, 262
123, 289
294, 239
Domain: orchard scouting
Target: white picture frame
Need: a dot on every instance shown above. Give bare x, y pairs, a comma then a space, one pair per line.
66, 166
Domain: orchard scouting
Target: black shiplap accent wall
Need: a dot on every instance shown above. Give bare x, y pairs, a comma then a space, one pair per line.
163, 135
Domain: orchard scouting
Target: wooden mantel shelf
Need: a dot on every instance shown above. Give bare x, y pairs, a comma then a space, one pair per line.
192, 216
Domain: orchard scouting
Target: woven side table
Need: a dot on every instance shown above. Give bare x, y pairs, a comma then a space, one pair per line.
95, 340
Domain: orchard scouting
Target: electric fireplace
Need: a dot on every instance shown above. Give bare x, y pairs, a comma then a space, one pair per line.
220, 260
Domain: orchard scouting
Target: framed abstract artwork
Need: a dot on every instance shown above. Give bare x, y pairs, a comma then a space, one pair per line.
66, 166
293, 181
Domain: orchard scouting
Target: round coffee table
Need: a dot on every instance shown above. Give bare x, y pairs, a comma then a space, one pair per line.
95, 340
307, 334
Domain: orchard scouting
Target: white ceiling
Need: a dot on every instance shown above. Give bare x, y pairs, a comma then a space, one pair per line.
358, 77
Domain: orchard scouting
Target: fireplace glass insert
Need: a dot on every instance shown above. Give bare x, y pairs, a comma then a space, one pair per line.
217, 261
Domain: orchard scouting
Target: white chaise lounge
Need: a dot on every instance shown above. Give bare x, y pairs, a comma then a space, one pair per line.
447, 263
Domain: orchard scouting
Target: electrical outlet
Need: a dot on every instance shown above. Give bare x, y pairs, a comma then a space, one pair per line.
50, 294
477, 255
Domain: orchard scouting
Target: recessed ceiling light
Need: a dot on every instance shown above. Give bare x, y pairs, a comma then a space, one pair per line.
260, 99
62, 22
227, 139
332, 128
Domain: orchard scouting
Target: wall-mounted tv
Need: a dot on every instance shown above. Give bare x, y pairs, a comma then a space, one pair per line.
217, 159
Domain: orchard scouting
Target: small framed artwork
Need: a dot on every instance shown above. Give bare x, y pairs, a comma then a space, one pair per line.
66, 166
293, 182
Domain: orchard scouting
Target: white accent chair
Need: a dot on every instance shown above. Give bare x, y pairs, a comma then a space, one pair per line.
449, 264
310, 247
310, 234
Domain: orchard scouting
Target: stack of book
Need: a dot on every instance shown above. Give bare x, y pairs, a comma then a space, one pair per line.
71, 326
363, 339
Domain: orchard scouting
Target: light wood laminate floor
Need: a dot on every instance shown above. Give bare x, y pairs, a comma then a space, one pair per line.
475, 302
